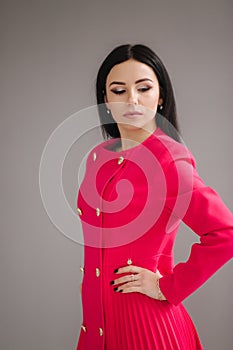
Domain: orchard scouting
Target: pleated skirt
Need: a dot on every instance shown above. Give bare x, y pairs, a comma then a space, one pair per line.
137, 322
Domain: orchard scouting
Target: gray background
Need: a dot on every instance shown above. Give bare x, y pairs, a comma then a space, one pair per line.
50, 53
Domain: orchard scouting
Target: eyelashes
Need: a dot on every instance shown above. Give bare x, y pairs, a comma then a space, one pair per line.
120, 92
144, 89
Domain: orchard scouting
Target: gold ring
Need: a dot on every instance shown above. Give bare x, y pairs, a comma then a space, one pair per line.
132, 277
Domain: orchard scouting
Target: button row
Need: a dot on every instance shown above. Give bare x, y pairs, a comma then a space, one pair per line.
97, 211
97, 271
101, 332
119, 161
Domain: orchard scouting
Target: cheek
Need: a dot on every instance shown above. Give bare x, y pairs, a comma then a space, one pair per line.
117, 109
151, 101
113, 98
154, 96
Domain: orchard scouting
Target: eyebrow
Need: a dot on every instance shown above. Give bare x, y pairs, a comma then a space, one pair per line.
136, 82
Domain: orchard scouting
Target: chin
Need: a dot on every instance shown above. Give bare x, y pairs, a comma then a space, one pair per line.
131, 126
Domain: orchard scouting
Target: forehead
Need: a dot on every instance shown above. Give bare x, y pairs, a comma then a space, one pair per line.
131, 71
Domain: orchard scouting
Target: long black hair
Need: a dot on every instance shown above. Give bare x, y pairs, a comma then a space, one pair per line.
166, 118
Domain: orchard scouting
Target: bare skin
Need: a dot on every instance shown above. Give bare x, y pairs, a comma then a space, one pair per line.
133, 86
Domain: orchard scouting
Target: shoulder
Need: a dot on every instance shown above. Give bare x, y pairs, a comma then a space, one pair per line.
168, 150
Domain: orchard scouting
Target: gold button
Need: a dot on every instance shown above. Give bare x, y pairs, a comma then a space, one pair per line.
79, 211
82, 269
129, 262
94, 156
97, 211
101, 331
97, 272
120, 160
84, 328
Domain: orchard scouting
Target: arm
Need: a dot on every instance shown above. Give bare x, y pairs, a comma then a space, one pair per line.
208, 217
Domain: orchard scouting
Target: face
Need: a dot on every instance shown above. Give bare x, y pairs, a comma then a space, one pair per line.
132, 95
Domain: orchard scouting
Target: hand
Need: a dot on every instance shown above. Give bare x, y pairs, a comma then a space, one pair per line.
139, 280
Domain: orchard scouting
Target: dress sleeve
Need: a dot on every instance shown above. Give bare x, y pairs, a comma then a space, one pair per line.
201, 208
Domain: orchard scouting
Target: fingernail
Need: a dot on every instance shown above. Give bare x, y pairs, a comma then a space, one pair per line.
115, 271
112, 282
115, 289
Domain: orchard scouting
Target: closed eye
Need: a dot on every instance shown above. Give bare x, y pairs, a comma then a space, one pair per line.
144, 89
141, 89
118, 92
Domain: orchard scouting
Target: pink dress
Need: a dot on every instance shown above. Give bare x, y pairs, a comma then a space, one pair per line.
131, 204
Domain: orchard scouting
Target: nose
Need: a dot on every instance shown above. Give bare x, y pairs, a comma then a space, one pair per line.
132, 97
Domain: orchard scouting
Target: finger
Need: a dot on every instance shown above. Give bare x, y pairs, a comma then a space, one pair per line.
130, 269
127, 285
127, 278
130, 289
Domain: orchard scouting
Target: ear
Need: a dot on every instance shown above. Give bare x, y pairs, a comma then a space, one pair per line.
160, 102
106, 101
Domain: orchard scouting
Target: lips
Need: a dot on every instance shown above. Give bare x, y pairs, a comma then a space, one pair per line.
132, 113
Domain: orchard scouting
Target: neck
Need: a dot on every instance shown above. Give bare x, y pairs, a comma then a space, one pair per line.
131, 138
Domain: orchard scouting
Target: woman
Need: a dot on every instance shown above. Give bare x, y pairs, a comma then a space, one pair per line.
138, 186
